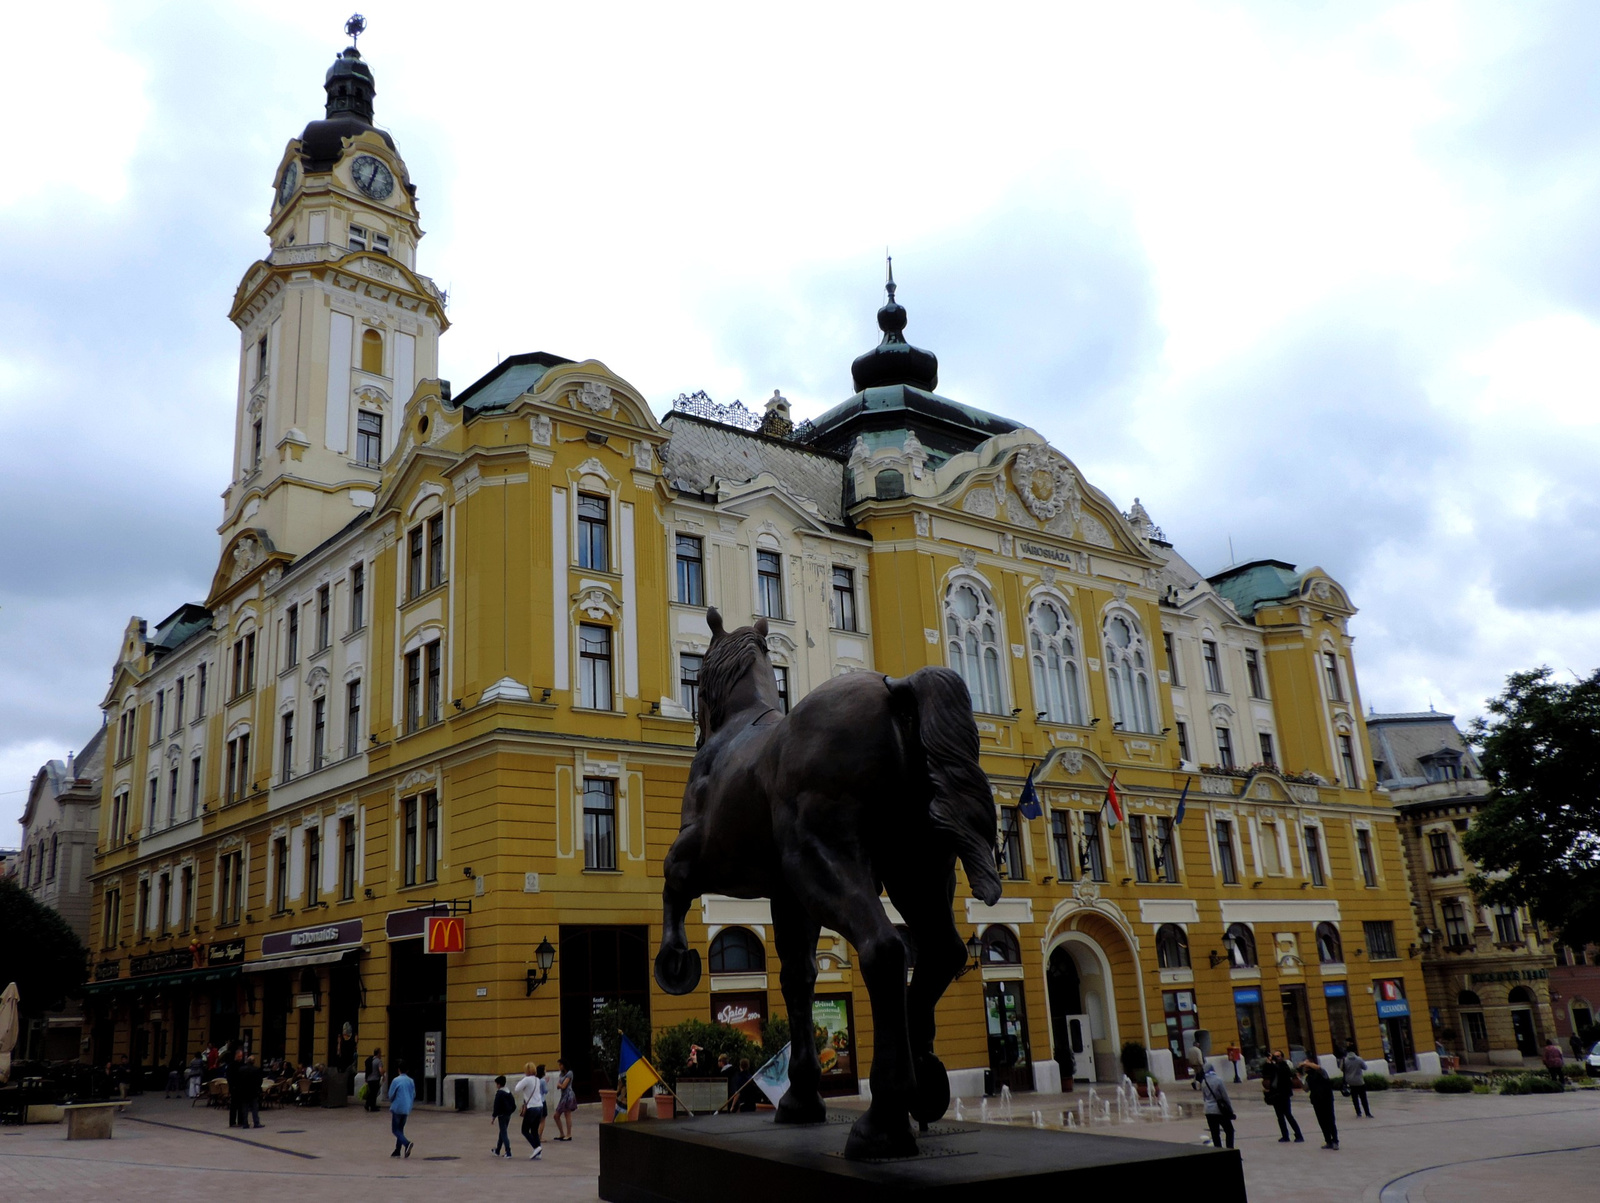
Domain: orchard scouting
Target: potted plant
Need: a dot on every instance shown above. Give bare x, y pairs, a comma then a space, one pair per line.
1136, 1065
610, 1022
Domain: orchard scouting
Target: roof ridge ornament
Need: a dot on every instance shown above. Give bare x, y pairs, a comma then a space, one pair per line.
355, 27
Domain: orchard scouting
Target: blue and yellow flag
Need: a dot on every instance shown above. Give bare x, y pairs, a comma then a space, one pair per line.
635, 1075
1183, 800
1028, 807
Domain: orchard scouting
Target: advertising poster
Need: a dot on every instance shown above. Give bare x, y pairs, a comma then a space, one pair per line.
746, 1012
830, 1016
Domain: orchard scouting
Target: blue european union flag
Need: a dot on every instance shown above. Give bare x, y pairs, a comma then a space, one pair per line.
1029, 807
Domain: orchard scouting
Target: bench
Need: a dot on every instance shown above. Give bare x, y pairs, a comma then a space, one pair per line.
90, 1121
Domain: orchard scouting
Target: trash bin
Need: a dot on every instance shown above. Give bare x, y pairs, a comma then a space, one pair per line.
463, 1094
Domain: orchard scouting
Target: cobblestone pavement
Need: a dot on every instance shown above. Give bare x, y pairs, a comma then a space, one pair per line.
1419, 1148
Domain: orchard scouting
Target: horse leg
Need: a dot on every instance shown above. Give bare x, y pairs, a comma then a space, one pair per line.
795, 934
677, 965
925, 906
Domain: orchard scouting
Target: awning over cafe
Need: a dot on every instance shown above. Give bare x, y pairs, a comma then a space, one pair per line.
137, 985
309, 958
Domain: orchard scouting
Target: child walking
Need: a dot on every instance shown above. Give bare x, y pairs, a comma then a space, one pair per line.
504, 1108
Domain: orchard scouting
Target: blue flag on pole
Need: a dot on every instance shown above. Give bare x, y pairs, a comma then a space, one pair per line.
1183, 801
1028, 807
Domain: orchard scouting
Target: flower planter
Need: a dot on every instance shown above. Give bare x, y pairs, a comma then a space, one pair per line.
666, 1106
608, 1106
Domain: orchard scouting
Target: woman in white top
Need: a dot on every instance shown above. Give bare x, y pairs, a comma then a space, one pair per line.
530, 1090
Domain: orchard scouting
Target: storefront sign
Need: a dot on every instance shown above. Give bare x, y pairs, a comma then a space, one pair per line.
226, 952
105, 971
446, 933
160, 962
402, 925
1335, 990
312, 939
1393, 1008
1247, 998
1508, 975
743, 1011
430, 1053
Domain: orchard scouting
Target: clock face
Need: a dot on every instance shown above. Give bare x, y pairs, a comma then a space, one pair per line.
289, 182
372, 177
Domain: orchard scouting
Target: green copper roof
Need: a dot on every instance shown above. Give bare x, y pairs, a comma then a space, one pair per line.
881, 416
1249, 585
506, 381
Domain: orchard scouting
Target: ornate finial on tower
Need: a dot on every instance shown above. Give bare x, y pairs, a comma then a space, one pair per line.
894, 361
888, 261
355, 27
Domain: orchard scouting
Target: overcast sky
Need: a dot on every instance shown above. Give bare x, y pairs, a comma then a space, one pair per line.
1322, 279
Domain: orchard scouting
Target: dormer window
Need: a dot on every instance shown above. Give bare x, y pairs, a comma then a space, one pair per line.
380, 243
363, 239
358, 238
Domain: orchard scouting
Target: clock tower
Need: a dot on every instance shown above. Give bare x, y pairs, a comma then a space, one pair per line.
336, 326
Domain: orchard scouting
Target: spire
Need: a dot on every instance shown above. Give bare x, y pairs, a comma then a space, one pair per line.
894, 361
349, 81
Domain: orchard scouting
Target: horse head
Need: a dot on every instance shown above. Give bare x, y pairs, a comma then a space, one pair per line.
736, 675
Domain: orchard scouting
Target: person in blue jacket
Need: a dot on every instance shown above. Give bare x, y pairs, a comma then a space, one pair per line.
402, 1094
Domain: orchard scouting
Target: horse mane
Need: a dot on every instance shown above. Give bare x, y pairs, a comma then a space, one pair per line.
727, 661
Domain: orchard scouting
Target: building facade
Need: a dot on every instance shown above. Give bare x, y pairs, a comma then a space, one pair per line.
1487, 968
437, 711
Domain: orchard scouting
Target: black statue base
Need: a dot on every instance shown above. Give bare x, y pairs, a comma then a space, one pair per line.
745, 1158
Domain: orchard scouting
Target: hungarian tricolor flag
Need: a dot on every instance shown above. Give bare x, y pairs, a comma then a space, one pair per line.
1113, 803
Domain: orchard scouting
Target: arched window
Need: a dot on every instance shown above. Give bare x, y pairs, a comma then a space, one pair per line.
1240, 942
737, 950
1000, 947
1128, 673
973, 632
1172, 947
1053, 646
372, 352
1330, 949
1520, 995
1468, 998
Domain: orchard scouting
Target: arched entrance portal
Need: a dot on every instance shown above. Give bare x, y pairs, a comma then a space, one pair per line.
1083, 1013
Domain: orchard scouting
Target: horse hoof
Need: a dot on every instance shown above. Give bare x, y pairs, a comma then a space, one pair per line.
799, 1109
931, 1098
677, 970
874, 1140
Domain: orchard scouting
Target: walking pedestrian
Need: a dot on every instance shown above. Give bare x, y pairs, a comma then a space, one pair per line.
1277, 1081
505, 1106
1553, 1061
196, 1071
566, 1101
1236, 1055
235, 1111
1355, 1079
530, 1089
1319, 1088
374, 1076
402, 1094
1218, 1106
248, 1078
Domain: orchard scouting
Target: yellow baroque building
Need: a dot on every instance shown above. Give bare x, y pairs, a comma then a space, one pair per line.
447, 669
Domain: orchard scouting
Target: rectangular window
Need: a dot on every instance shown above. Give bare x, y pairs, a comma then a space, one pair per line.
1347, 758
599, 823
50, 874
200, 692
1439, 850
594, 532
1456, 932
691, 571
369, 438
1380, 939
261, 357
1011, 843
280, 875
324, 616
256, 440
380, 243
1091, 854
1226, 861
414, 576
769, 584
1476, 1031
1330, 670
246, 786
1138, 852
286, 760
430, 837
164, 903
1061, 843
1183, 740
291, 637
780, 675
152, 803
1252, 671
347, 858
232, 887
1172, 658
1506, 928
843, 608
231, 782
594, 666
111, 919
1165, 857
436, 551
1369, 868
172, 794
194, 787
689, 682
435, 682
186, 898
1268, 755
177, 709
352, 718
413, 690
1314, 856
313, 864
161, 716
1225, 747
409, 856
358, 596
250, 661
1208, 651
358, 238
319, 732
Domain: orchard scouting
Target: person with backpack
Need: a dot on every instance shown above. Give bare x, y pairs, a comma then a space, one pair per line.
1277, 1086
1319, 1088
505, 1106
1219, 1107
1355, 1080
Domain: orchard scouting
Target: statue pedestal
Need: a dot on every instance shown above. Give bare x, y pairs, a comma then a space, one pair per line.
739, 1158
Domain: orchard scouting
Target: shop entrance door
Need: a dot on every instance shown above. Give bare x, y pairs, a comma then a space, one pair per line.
1522, 1029
1069, 1025
597, 964
417, 984
1010, 1062
1297, 1024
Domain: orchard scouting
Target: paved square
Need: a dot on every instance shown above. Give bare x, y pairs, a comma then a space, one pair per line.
1418, 1147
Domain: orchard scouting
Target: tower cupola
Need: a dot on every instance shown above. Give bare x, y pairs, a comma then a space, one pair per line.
894, 360
349, 81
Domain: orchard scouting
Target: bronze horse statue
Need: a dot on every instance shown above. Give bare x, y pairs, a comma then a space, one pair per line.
870, 784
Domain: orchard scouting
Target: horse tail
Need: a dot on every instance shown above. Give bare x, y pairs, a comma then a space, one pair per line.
962, 807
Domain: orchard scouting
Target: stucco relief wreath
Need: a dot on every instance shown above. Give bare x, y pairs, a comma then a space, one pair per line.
1044, 483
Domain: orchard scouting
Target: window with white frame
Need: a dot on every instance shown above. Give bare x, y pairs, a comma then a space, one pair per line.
689, 681
594, 666
769, 584
972, 631
1053, 649
842, 601
1128, 673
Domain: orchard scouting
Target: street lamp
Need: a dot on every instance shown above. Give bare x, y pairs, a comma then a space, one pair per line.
1231, 943
546, 957
974, 954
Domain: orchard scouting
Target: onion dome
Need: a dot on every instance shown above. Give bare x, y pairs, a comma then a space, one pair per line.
894, 360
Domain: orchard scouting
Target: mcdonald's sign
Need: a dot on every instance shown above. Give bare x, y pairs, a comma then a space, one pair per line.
446, 933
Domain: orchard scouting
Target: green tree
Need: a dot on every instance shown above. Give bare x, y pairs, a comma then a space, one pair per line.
1536, 839
38, 951
610, 1022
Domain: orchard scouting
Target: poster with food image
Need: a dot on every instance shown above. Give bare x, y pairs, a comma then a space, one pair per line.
830, 1016
743, 1011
